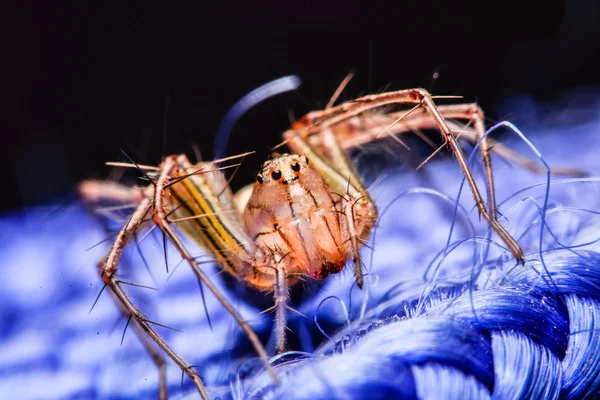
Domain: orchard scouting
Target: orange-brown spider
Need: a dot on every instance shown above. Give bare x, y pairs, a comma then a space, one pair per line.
307, 214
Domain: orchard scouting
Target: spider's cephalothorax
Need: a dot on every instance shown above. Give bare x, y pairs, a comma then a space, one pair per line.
294, 214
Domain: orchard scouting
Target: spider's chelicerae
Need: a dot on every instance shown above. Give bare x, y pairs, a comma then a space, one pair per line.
307, 214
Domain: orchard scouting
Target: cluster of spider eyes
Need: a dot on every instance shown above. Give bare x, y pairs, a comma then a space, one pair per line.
276, 174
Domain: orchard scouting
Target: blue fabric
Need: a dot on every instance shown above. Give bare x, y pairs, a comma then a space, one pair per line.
498, 331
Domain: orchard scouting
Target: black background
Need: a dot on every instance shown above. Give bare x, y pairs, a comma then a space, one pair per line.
83, 80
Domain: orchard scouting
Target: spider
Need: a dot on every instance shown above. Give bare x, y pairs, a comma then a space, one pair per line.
307, 214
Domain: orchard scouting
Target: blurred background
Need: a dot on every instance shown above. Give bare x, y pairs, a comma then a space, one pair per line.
83, 80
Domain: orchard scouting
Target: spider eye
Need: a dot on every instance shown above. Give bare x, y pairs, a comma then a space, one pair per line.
305, 159
276, 175
295, 166
259, 178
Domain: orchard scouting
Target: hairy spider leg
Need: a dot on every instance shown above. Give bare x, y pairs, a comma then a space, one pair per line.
317, 122
174, 174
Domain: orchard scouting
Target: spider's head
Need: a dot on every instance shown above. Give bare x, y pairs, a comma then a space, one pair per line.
283, 169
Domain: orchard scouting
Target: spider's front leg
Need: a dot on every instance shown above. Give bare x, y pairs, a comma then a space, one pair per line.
96, 192
197, 197
108, 270
320, 121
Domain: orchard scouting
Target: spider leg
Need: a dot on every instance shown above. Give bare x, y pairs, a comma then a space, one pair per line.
94, 192
108, 270
319, 121
157, 359
281, 295
358, 131
154, 200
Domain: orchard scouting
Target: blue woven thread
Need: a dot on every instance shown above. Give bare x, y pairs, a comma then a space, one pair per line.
521, 341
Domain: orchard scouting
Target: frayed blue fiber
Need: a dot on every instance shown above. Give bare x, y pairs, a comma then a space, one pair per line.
441, 316
521, 341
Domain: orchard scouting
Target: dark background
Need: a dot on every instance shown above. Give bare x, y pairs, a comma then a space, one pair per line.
83, 80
